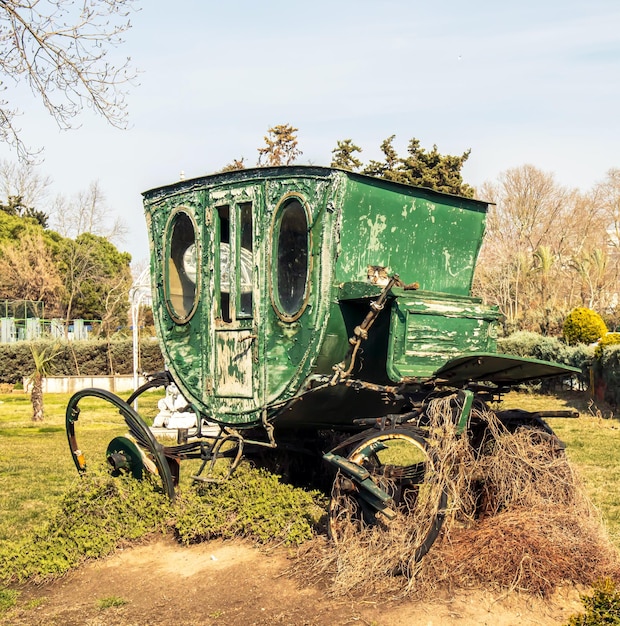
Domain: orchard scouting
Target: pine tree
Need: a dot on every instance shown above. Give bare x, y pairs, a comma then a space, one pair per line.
343, 156
421, 168
280, 146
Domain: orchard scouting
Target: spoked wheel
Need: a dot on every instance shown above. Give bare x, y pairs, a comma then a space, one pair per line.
136, 452
399, 463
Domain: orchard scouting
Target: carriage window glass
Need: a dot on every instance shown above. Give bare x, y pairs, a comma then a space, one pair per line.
246, 260
225, 261
181, 267
292, 258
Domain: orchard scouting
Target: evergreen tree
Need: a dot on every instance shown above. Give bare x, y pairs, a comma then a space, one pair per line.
280, 146
343, 156
388, 168
15, 206
234, 165
434, 170
421, 168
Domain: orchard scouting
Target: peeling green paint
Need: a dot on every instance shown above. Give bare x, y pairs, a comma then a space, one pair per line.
375, 229
234, 369
428, 330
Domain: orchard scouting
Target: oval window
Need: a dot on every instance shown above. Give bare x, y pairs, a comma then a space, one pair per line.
181, 267
291, 259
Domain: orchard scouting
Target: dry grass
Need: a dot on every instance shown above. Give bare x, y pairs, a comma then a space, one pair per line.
517, 519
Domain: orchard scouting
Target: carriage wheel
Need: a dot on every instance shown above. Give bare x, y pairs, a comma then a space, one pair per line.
136, 452
399, 462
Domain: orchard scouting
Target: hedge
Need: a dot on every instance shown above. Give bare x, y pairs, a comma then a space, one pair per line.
92, 358
83, 358
606, 375
599, 364
536, 346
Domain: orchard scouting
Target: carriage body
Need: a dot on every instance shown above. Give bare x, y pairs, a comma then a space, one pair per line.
261, 276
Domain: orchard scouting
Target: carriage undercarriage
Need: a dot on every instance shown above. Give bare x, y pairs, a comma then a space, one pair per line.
376, 469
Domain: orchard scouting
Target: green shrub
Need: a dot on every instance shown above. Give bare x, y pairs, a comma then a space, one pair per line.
111, 601
98, 514
583, 326
254, 504
602, 607
533, 345
606, 369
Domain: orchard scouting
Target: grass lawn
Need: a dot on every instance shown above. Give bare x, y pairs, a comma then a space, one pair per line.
35, 462
36, 467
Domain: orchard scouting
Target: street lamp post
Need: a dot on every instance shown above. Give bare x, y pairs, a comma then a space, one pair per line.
139, 294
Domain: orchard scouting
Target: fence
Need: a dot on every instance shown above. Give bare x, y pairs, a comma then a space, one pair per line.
30, 328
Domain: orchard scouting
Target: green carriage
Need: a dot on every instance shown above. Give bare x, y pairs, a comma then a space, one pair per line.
291, 302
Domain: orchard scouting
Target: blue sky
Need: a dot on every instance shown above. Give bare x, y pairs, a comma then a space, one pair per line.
527, 82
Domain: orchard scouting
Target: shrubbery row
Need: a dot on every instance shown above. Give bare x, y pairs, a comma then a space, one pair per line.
79, 358
599, 364
528, 344
96, 358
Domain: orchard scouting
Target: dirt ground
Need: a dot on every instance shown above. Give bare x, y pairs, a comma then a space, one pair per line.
214, 583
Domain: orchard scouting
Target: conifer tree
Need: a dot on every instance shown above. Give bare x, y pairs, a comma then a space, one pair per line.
280, 146
343, 155
421, 168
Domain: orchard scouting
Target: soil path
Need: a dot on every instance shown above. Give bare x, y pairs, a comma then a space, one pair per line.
231, 583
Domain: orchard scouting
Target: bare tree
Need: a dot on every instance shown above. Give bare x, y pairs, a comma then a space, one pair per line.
114, 299
23, 180
86, 212
59, 48
546, 250
25, 190
607, 194
79, 266
526, 234
96, 278
530, 207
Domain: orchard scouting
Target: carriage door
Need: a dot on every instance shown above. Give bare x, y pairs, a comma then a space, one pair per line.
235, 334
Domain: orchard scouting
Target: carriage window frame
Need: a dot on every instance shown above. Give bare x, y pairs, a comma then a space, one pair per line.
224, 278
274, 284
169, 268
245, 260
234, 262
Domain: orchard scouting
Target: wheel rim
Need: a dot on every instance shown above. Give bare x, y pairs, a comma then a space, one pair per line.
399, 462
138, 454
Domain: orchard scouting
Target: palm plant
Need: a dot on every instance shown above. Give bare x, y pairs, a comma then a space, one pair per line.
42, 359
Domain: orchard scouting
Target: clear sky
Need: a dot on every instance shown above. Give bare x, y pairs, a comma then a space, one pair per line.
517, 82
